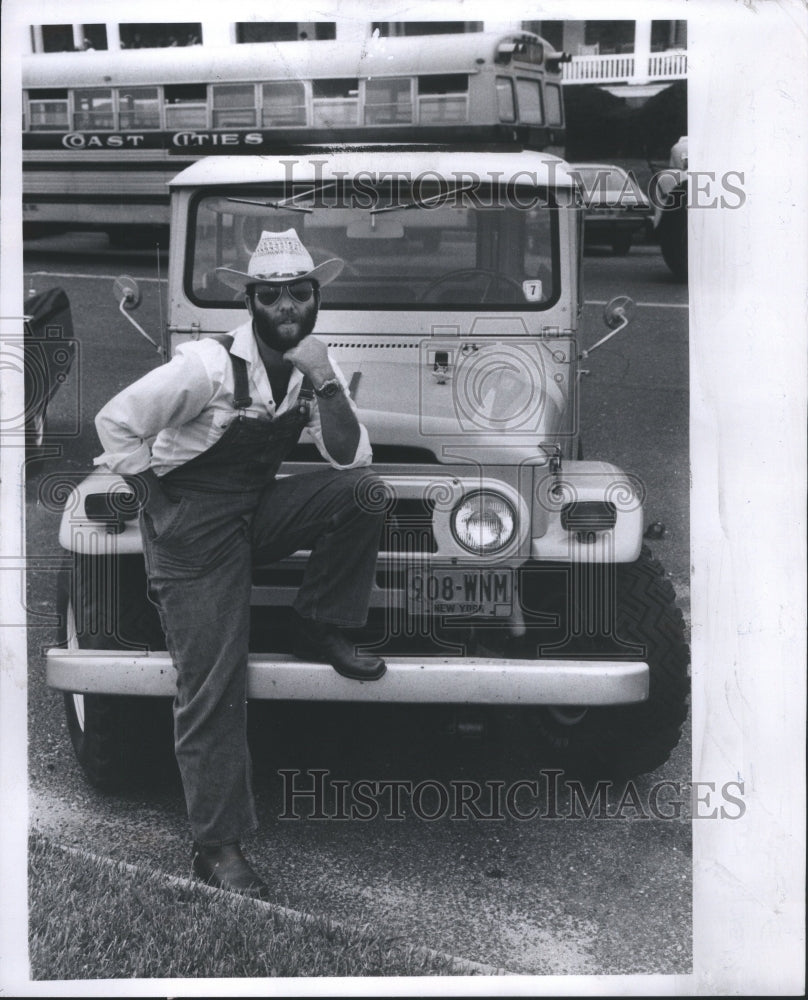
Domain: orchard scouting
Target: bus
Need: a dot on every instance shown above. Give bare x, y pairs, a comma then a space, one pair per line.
104, 132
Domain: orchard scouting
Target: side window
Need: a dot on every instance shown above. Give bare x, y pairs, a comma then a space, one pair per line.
443, 98
335, 102
506, 102
92, 109
234, 105
529, 96
553, 105
47, 110
388, 101
283, 103
139, 108
186, 105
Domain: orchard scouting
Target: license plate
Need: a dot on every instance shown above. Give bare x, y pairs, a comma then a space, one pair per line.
455, 591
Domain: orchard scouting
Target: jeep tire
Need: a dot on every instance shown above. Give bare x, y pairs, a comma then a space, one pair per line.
117, 739
626, 740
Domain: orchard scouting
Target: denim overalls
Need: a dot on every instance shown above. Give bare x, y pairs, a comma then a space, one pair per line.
202, 529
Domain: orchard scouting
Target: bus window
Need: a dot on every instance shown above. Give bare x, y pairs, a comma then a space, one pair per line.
47, 109
283, 103
388, 101
552, 100
443, 98
186, 105
234, 105
506, 103
139, 107
336, 102
529, 96
93, 109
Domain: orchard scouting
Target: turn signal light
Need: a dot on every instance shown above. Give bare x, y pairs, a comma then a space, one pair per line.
588, 515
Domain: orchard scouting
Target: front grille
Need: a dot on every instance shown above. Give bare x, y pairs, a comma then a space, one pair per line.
406, 535
408, 527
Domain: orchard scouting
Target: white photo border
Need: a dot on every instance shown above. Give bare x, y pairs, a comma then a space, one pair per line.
748, 81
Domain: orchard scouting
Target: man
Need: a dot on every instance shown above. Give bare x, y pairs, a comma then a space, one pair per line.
201, 438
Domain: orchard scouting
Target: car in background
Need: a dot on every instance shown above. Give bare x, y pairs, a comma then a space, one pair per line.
670, 215
615, 209
49, 350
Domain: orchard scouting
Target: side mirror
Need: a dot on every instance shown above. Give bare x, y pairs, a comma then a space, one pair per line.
616, 315
127, 291
618, 310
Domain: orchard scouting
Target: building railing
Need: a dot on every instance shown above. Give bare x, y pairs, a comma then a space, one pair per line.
667, 65
626, 68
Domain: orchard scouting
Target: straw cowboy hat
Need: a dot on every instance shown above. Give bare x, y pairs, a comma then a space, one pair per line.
281, 257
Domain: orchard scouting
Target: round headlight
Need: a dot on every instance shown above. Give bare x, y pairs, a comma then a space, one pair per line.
483, 522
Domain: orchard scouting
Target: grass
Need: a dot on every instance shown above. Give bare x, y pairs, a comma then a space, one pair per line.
93, 919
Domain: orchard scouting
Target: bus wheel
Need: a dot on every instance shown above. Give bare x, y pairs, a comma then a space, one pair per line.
117, 739
623, 741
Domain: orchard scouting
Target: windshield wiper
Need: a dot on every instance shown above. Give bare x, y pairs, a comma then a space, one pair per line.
423, 202
272, 204
287, 202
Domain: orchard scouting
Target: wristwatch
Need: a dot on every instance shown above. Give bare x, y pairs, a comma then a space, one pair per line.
329, 388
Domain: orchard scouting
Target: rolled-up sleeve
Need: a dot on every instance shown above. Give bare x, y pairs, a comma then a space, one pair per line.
168, 396
364, 453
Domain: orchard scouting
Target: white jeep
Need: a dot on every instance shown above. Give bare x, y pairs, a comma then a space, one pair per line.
512, 570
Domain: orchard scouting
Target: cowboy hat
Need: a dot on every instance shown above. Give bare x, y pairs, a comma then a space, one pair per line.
281, 257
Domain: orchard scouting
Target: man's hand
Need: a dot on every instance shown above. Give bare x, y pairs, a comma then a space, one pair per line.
310, 356
338, 422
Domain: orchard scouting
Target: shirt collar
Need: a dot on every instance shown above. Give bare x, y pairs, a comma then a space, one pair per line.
244, 345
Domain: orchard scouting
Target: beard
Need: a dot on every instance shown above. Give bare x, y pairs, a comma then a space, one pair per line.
287, 329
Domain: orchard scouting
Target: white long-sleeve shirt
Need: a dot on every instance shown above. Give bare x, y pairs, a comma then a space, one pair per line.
179, 410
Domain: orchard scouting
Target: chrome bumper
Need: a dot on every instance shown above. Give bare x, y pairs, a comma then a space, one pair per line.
467, 680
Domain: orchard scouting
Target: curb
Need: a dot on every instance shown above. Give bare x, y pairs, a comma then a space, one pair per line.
462, 966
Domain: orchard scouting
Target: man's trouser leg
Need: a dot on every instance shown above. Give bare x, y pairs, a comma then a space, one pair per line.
200, 579
338, 514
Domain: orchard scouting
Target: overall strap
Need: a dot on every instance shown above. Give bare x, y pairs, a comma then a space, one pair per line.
241, 394
305, 397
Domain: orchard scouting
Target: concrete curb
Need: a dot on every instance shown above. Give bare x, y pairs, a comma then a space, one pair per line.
462, 966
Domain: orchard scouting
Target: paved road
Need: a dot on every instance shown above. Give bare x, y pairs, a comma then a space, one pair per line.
541, 896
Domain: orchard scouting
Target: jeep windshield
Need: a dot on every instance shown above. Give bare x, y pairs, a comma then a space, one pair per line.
440, 246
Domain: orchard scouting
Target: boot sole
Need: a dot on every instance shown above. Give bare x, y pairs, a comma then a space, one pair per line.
302, 654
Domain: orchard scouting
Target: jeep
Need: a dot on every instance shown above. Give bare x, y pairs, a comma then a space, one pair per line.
512, 572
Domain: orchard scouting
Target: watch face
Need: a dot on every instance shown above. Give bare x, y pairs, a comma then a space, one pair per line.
328, 389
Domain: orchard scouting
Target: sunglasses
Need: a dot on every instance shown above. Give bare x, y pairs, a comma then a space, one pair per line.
301, 291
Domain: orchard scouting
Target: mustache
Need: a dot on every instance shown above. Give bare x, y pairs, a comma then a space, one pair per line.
288, 312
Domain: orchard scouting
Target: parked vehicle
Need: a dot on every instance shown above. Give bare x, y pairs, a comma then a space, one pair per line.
670, 215
512, 572
48, 356
616, 210
104, 132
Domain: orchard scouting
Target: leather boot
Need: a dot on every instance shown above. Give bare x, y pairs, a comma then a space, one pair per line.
326, 643
226, 868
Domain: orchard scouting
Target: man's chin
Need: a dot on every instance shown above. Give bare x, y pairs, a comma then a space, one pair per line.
283, 338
